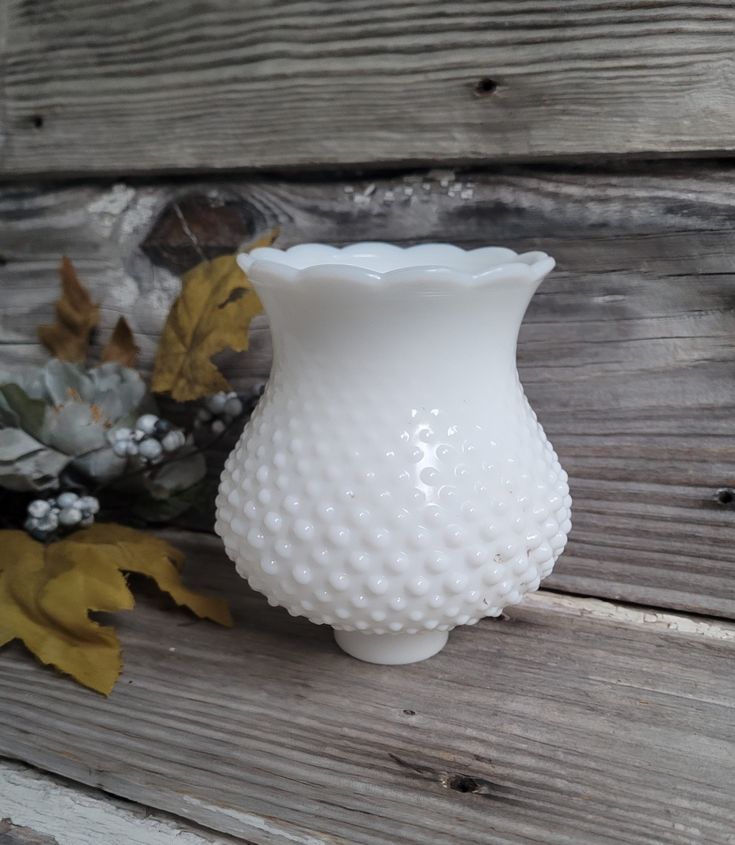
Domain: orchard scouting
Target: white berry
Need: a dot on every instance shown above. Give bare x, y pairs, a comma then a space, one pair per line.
216, 403
48, 523
146, 423
122, 434
70, 516
173, 440
218, 427
38, 508
233, 407
120, 448
67, 500
150, 449
89, 504
131, 448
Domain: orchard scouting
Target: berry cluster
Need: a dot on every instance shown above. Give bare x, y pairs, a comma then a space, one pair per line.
148, 440
219, 410
68, 510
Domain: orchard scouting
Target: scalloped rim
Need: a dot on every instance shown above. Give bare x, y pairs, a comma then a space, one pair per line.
376, 264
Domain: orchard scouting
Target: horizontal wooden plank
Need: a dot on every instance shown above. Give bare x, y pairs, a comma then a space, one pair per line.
93, 87
38, 809
12, 834
567, 721
627, 352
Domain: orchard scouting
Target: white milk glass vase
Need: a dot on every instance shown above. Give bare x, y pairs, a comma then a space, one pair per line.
393, 481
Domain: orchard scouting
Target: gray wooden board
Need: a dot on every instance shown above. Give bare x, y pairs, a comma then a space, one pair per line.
91, 86
12, 834
627, 352
569, 720
40, 809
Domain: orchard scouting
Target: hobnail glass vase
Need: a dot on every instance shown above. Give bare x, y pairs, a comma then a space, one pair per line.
393, 481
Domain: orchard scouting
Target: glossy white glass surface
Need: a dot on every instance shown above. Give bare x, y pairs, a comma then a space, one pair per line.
394, 482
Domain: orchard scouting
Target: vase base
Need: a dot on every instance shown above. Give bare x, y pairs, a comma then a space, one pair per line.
391, 649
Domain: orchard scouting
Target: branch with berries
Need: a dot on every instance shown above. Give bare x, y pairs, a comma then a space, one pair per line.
94, 431
81, 442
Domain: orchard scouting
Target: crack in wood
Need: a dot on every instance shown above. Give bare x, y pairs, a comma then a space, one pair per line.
457, 781
188, 232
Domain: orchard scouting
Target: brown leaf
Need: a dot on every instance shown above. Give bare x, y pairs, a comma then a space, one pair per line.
264, 240
213, 312
76, 316
121, 347
138, 551
46, 593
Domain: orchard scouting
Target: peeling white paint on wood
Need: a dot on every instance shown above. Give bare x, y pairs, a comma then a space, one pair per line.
655, 620
74, 815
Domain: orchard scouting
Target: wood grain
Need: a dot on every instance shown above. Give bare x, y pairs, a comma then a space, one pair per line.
135, 87
560, 723
48, 810
627, 352
14, 834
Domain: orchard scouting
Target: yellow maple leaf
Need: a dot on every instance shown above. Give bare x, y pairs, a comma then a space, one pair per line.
76, 316
121, 347
46, 593
212, 313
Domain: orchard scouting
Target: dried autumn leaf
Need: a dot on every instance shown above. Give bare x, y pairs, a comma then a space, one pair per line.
137, 551
121, 348
212, 313
46, 593
44, 602
76, 316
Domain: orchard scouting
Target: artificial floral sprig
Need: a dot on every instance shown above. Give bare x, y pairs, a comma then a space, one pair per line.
47, 591
75, 435
148, 440
64, 512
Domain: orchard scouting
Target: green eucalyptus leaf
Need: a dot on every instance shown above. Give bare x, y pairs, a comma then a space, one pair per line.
63, 412
176, 475
102, 465
151, 509
19, 410
25, 464
29, 379
15, 443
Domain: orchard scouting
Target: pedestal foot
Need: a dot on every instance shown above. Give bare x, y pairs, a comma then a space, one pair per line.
391, 649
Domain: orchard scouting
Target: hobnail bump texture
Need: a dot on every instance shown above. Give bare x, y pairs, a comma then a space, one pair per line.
393, 481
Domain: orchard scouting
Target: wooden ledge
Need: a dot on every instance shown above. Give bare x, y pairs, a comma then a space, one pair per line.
568, 721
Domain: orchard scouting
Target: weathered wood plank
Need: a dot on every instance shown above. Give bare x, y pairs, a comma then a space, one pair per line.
12, 834
567, 721
627, 352
38, 809
95, 87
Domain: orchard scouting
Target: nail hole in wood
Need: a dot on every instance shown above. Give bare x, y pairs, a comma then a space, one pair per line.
3, 260
37, 121
409, 712
725, 496
462, 783
485, 86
